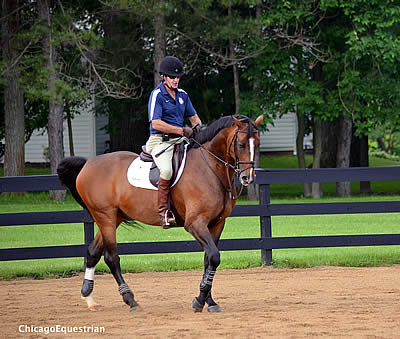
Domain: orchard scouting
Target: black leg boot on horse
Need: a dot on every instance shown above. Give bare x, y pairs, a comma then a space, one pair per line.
166, 216
112, 261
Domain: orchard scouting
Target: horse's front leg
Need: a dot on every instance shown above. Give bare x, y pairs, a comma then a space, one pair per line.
212, 305
211, 263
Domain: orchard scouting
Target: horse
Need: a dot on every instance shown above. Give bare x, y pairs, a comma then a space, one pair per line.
203, 198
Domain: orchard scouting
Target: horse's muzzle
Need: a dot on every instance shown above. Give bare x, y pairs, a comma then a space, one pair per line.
246, 175
245, 179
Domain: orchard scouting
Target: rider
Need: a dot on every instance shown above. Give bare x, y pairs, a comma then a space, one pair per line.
168, 106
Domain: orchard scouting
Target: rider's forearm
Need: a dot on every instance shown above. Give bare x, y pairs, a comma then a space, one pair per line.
162, 126
194, 120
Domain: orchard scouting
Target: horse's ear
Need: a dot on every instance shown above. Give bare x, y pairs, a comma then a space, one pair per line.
259, 120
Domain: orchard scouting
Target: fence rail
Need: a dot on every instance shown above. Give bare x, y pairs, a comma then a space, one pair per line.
264, 210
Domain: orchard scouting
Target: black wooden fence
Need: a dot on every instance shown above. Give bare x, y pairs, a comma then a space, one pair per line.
265, 210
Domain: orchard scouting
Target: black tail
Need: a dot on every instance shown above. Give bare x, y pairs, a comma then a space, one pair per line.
68, 171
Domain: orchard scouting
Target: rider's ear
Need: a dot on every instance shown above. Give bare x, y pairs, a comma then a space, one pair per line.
259, 120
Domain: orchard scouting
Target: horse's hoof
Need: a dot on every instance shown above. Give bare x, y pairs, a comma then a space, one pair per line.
214, 309
93, 308
92, 305
197, 307
135, 308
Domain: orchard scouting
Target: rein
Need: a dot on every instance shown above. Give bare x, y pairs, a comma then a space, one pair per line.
227, 165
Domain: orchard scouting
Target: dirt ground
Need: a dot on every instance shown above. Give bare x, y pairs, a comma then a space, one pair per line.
261, 302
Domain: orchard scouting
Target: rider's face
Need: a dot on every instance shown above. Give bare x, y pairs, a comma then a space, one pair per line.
171, 82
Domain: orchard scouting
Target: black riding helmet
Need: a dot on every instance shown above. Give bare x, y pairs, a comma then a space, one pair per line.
171, 66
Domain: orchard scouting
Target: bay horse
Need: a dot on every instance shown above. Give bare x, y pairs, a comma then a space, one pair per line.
203, 198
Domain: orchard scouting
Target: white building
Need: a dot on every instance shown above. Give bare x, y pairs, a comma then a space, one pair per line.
281, 137
89, 138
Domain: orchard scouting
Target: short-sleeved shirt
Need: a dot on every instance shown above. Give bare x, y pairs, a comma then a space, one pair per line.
163, 106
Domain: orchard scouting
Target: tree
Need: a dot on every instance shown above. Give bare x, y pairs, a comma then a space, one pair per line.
343, 189
159, 42
14, 159
56, 105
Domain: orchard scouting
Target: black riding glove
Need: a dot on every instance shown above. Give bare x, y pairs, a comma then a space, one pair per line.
187, 132
197, 129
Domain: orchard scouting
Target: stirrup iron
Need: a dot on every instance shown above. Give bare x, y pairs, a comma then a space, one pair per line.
168, 220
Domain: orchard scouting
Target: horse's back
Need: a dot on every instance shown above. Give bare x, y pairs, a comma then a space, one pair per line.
104, 170
112, 160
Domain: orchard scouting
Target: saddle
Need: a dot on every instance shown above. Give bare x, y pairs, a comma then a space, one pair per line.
154, 175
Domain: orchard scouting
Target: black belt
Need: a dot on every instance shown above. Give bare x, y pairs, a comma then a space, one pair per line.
167, 136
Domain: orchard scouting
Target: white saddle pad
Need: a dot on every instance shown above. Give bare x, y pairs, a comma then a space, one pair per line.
138, 173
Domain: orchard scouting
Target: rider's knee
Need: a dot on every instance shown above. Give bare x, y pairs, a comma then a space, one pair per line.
166, 174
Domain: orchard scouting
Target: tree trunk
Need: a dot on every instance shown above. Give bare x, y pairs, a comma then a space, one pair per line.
365, 186
56, 106
159, 45
359, 158
300, 149
329, 144
381, 144
235, 70
343, 189
317, 129
70, 136
14, 156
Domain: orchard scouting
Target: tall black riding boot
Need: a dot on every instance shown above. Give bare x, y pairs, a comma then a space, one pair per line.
167, 217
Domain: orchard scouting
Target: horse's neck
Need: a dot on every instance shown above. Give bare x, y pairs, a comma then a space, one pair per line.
219, 145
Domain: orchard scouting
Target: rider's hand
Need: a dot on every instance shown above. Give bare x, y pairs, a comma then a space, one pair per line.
197, 129
187, 132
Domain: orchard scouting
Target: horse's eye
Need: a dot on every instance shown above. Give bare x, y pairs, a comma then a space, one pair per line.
241, 145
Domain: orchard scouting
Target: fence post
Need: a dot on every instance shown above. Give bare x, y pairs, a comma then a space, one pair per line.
265, 223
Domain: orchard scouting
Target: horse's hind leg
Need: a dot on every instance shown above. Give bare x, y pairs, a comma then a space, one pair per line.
111, 258
94, 252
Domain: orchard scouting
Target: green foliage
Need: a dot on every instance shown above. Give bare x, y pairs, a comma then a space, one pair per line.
321, 58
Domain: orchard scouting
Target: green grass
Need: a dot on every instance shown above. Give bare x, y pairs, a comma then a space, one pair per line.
240, 227
31, 171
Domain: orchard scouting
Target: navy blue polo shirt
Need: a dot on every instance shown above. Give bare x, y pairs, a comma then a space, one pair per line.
163, 106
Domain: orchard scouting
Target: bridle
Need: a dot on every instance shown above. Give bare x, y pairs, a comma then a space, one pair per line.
238, 162
235, 167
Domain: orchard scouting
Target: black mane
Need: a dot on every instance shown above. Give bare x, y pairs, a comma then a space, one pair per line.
215, 127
